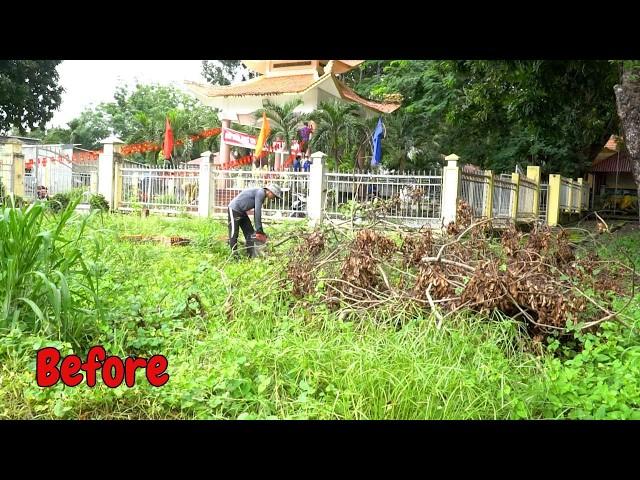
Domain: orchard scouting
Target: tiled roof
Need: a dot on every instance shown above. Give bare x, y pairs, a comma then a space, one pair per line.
615, 163
258, 86
287, 84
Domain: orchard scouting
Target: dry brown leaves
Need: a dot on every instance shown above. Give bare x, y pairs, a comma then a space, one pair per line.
533, 276
359, 270
416, 246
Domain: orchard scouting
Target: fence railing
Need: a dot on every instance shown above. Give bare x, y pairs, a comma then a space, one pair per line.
403, 198
412, 199
527, 191
570, 195
30, 184
295, 190
158, 189
6, 175
474, 190
503, 197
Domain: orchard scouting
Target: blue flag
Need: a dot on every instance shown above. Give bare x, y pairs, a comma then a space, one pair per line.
377, 143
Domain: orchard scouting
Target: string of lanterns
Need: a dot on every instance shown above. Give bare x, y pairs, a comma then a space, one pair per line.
155, 147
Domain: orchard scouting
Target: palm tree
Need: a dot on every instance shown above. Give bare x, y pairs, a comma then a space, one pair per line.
338, 127
283, 120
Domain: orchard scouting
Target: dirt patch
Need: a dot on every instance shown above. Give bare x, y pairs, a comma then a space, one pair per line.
169, 241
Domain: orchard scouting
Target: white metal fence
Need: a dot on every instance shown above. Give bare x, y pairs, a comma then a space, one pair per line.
503, 196
295, 191
167, 190
411, 199
30, 185
570, 195
527, 191
474, 190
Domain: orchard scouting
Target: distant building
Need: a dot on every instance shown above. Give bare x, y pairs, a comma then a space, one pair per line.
612, 180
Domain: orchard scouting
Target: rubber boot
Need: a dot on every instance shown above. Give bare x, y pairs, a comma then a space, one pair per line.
250, 246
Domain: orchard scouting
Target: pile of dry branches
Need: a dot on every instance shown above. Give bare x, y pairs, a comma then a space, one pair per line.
539, 276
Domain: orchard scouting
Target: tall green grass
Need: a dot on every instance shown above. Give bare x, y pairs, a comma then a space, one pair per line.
40, 262
274, 357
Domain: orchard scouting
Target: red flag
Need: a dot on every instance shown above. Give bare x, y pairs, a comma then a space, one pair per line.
168, 140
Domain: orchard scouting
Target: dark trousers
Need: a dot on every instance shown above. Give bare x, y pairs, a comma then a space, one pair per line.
237, 221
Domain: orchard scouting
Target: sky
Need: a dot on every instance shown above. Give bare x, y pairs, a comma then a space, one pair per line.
89, 82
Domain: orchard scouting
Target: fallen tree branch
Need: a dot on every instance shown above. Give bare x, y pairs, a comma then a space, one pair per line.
434, 309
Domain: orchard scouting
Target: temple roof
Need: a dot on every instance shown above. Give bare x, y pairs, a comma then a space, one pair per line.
290, 84
257, 86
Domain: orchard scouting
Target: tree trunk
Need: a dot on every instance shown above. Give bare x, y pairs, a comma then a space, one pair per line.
628, 103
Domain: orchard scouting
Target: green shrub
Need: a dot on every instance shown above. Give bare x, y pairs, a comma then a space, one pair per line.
98, 202
601, 380
59, 202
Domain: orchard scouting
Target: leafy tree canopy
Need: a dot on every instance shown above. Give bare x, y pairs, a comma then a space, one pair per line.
557, 114
29, 93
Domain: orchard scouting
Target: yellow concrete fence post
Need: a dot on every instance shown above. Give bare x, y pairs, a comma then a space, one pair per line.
533, 173
515, 179
488, 206
12, 167
553, 201
18, 168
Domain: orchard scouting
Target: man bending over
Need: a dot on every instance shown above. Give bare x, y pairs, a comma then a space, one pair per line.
251, 198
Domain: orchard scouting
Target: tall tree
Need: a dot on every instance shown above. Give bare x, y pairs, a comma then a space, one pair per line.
29, 93
557, 114
223, 72
628, 105
138, 115
364, 78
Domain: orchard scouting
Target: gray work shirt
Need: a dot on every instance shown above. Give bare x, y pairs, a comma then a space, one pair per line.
248, 199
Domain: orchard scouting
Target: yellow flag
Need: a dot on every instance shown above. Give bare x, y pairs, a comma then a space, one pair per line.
264, 134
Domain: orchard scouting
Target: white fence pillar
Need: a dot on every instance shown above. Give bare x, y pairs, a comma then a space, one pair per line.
106, 168
450, 189
317, 188
206, 188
